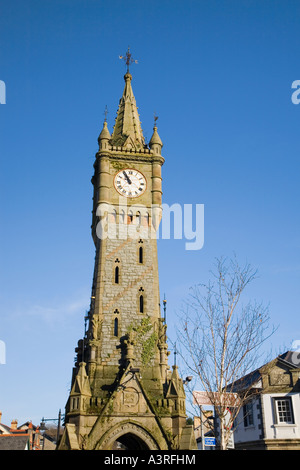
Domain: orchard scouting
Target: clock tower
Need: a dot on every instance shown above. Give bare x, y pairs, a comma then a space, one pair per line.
123, 393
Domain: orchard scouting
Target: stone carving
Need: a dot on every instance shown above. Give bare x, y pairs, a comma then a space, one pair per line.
130, 397
130, 342
96, 327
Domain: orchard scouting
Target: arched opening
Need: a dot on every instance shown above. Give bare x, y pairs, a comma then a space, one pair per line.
116, 327
127, 436
130, 218
141, 304
117, 272
141, 255
129, 441
122, 217
112, 217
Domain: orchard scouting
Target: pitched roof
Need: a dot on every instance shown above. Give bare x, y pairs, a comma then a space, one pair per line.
12, 442
4, 429
253, 377
288, 357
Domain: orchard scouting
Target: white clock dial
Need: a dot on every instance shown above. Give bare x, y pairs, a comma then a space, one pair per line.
130, 183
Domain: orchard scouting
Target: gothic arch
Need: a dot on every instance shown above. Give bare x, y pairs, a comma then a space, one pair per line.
141, 300
117, 271
131, 434
141, 255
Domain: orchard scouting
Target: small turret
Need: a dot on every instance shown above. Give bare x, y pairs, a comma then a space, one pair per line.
104, 137
155, 143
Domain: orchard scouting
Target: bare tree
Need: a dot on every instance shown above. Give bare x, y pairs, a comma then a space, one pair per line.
219, 339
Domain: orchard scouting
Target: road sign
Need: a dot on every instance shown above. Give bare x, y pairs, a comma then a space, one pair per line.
230, 443
228, 423
215, 399
209, 441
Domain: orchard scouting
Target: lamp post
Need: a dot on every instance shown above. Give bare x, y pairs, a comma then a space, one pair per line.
43, 427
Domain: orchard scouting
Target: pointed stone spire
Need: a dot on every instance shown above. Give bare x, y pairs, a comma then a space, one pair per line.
175, 386
127, 130
81, 384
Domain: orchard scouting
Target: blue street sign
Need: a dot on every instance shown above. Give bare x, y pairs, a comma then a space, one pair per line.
209, 441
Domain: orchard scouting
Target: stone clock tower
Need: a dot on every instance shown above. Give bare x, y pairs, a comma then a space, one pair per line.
123, 393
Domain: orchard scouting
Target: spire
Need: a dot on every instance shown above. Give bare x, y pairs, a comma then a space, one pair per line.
127, 130
81, 384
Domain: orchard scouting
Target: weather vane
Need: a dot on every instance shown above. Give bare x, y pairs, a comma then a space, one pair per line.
155, 118
128, 59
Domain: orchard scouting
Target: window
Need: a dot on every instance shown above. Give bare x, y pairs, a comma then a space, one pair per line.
117, 273
148, 219
130, 218
141, 255
283, 410
114, 217
116, 327
75, 403
141, 304
122, 217
248, 414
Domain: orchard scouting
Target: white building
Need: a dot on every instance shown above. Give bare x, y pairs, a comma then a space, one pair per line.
271, 418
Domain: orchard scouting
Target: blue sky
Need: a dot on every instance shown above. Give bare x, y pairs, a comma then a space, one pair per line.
218, 74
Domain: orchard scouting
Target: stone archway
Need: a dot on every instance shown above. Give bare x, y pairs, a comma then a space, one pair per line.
129, 441
127, 436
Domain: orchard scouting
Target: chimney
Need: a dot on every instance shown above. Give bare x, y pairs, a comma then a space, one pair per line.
14, 424
0, 416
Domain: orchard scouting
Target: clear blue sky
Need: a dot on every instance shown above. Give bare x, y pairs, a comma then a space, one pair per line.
219, 75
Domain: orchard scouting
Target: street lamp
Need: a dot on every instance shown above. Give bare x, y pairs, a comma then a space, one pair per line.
43, 426
187, 379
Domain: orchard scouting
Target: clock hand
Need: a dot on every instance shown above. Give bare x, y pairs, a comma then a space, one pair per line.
127, 177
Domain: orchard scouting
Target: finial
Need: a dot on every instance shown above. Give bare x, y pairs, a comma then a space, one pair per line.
128, 59
104, 134
155, 141
105, 113
175, 354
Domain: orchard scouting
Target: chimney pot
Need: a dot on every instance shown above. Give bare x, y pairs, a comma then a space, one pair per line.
14, 424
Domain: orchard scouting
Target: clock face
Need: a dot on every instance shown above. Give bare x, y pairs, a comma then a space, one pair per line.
130, 183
